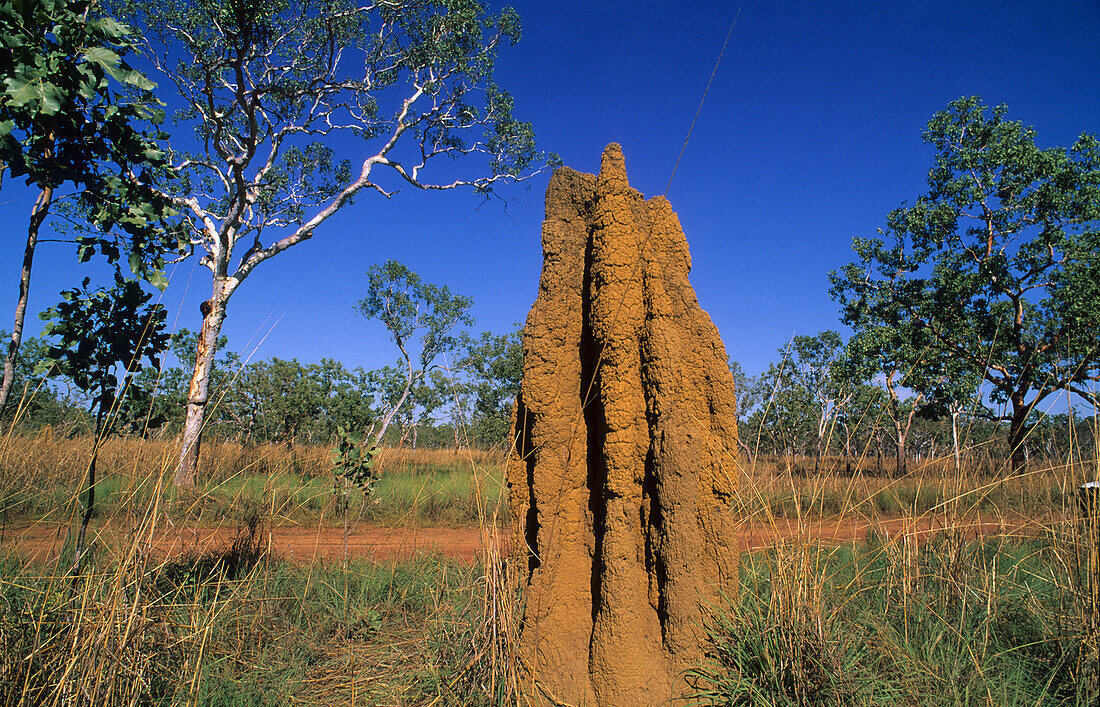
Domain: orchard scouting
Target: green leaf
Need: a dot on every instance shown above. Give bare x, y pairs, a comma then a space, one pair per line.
50, 98
130, 77
158, 280
102, 56
21, 90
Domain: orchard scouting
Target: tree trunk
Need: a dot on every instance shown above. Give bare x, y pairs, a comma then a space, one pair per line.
900, 432
388, 418
1017, 433
899, 450
213, 311
38, 215
89, 508
955, 439
740, 443
89, 498
847, 449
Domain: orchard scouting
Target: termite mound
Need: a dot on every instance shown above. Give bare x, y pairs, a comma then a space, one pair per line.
625, 458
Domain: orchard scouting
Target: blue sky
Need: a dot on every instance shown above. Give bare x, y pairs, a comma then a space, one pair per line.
810, 135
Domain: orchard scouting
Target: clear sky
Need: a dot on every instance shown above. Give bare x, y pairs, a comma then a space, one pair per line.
810, 135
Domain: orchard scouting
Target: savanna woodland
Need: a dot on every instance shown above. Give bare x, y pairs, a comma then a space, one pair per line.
182, 523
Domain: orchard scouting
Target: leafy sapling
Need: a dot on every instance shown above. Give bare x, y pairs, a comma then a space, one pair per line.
352, 462
104, 337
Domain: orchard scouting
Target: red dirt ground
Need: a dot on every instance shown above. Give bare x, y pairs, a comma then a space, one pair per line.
42, 541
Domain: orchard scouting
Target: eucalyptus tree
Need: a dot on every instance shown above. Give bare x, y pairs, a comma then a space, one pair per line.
860, 420
74, 113
748, 390
35, 403
819, 364
898, 358
348, 405
430, 395
995, 269
746, 387
783, 415
387, 388
273, 88
279, 400
800, 399
417, 315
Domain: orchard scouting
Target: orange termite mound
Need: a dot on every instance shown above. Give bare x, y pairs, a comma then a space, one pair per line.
626, 452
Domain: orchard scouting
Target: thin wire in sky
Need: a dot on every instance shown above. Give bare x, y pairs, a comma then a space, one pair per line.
702, 100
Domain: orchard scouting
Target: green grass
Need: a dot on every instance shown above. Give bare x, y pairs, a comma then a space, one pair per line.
446, 496
952, 621
41, 475
235, 628
949, 623
450, 495
880, 623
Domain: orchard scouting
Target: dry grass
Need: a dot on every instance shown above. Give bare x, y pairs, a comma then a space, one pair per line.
47, 457
787, 488
235, 626
39, 475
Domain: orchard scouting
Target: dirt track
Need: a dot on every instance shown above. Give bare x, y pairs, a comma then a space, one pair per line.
43, 541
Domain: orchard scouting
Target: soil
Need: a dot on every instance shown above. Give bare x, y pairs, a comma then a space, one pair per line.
42, 541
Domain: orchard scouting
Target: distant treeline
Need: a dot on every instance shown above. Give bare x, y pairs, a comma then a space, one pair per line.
817, 402
809, 403
285, 401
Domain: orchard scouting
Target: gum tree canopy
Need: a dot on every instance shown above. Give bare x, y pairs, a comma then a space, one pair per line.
273, 88
996, 268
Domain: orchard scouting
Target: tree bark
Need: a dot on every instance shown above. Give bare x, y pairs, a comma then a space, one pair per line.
213, 314
955, 439
38, 215
900, 452
89, 507
847, 449
817, 451
1017, 433
89, 490
900, 432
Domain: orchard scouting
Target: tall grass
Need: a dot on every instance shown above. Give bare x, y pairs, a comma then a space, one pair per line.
895, 619
236, 627
908, 617
40, 475
948, 622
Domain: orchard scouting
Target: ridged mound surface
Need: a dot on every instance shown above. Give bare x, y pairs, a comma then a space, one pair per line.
626, 452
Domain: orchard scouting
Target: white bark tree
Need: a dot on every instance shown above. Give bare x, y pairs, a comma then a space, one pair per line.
269, 85
411, 309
